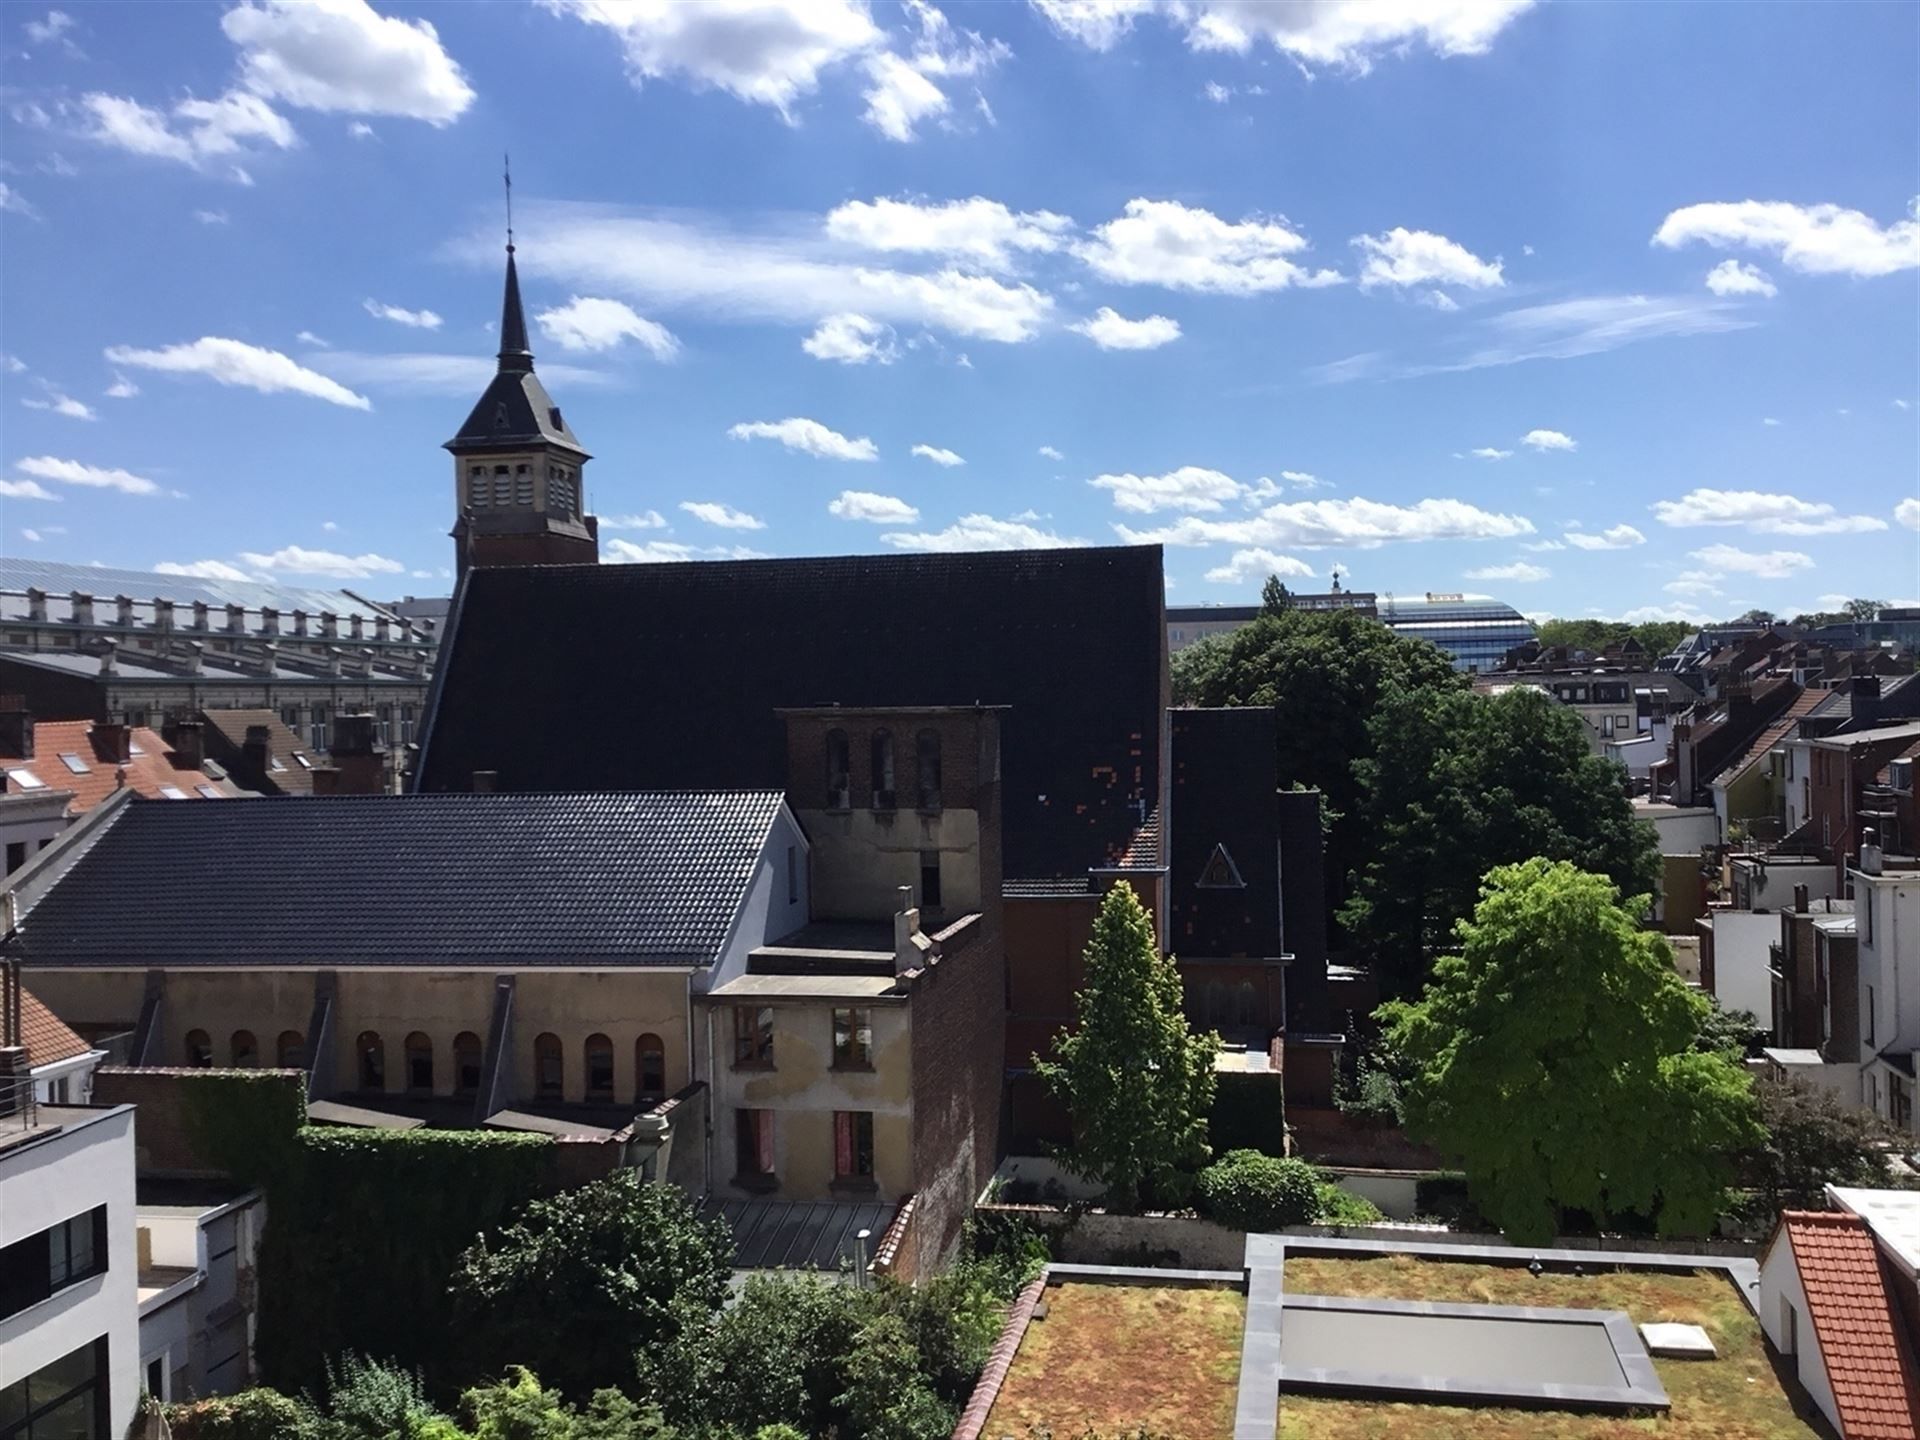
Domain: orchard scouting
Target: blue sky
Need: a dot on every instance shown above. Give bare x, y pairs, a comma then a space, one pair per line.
1601, 309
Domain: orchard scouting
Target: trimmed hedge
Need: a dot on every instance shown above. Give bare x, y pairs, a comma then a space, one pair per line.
1249, 1113
1246, 1190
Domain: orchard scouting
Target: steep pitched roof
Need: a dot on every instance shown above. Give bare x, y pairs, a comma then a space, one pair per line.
46, 1036
289, 763
1782, 729
462, 880
151, 767
1875, 1387
639, 676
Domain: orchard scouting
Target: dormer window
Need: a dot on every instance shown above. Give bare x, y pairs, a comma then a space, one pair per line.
839, 767
553, 414
882, 752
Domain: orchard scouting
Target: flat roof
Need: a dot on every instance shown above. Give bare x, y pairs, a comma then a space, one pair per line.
1892, 1215
807, 987
333, 1112
1908, 731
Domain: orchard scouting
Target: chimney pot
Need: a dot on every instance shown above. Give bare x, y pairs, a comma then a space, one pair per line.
162, 613
354, 623
16, 729
36, 605
106, 659
82, 604
269, 620
189, 741
199, 614
123, 609
236, 619
300, 622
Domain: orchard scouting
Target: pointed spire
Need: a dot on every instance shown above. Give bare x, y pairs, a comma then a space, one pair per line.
514, 353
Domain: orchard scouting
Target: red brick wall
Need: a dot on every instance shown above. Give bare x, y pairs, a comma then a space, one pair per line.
959, 1063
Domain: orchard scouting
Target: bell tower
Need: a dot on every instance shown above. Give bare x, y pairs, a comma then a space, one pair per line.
517, 467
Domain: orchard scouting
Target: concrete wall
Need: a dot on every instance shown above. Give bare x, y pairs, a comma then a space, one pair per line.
1780, 1288
1395, 1192
44, 1182
1681, 827
1740, 967
862, 857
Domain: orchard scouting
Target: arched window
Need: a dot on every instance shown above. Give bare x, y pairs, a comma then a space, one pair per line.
245, 1053
292, 1050
419, 1063
649, 1069
549, 1074
1217, 1011
599, 1057
466, 1063
373, 1060
927, 754
1247, 1004
882, 769
839, 771
199, 1050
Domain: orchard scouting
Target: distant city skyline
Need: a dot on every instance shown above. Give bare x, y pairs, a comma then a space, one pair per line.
1598, 310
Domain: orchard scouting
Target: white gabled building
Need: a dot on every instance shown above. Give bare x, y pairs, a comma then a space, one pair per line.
1886, 905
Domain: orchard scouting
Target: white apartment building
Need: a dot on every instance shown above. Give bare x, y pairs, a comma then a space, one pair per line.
1886, 905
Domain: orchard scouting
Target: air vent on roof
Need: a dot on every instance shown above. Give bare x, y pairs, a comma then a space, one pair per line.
1221, 873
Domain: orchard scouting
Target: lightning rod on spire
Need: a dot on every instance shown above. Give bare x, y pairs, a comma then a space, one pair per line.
507, 163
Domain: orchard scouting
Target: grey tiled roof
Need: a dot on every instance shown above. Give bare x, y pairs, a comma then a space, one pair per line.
460, 879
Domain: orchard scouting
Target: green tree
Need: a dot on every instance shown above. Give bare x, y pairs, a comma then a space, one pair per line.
1323, 672
1556, 1059
584, 1279
1811, 1139
1137, 1080
1459, 783
1275, 599
1862, 610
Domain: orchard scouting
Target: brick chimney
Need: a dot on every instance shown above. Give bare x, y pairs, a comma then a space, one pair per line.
82, 604
189, 741
256, 751
326, 780
16, 728
1800, 899
1866, 700
358, 755
236, 619
112, 741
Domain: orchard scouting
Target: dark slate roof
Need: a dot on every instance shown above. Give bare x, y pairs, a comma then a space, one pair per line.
801, 1235
610, 879
515, 408
640, 676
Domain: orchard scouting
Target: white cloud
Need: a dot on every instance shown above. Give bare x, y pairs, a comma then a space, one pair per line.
25, 490
659, 552
195, 132
1358, 523
1541, 547
1907, 512
852, 340
1591, 325
977, 230
32, 537
1731, 277
432, 373
1488, 452
980, 532
1642, 614
1771, 420
938, 455
900, 97
865, 505
329, 526
588, 323
1763, 513
1902, 405
1162, 242
724, 516
95, 477
211, 217
298, 560
1620, 537
1549, 440
234, 362
343, 57
1694, 582
1257, 564
1768, 565
59, 403
765, 52
1521, 572
1403, 258
360, 130
307, 337
122, 389
205, 570
1344, 33
1216, 92
809, 437
1301, 480
1050, 453
645, 520
12, 364
1111, 330
54, 27
1813, 239
1191, 487
12, 202
413, 319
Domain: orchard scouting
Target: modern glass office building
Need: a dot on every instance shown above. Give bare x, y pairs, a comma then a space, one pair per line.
1476, 632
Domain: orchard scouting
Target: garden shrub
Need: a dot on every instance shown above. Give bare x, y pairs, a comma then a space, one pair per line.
259, 1414
1246, 1190
1340, 1206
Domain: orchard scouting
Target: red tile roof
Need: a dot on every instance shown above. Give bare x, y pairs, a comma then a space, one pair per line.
1912, 752
1875, 1387
147, 772
45, 1035
1781, 729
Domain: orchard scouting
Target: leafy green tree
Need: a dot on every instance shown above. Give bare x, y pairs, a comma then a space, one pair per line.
584, 1279
1137, 1080
1811, 1139
1862, 610
1656, 637
1556, 1058
1460, 783
1324, 673
888, 1396
1275, 598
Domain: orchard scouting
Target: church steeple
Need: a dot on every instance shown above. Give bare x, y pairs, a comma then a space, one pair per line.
518, 487
514, 354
